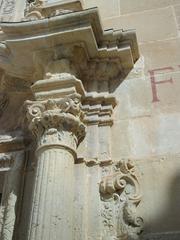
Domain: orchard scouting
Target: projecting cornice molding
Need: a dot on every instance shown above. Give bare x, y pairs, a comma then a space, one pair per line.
72, 43
9, 143
81, 37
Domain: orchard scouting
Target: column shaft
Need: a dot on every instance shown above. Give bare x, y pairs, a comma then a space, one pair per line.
53, 196
57, 125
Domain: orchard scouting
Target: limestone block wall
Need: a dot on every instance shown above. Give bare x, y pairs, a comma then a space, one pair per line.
147, 118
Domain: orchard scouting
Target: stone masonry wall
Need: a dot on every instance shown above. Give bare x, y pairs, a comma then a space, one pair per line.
147, 119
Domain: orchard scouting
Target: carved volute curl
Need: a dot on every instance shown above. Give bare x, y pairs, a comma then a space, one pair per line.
124, 174
62, 114
120, 194
55, 121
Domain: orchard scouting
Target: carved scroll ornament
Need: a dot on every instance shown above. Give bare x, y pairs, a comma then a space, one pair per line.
52, 121
120, 194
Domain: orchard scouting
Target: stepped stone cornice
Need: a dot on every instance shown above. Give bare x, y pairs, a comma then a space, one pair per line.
81, 36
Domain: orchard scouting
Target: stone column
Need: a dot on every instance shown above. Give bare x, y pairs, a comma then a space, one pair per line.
55, 120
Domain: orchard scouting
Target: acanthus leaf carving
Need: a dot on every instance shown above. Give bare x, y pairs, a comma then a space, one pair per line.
54, 120
120, 195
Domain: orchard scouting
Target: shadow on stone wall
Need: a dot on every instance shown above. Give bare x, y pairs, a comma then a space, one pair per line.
167, 225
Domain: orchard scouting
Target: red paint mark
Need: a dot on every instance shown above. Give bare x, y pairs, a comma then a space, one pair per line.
154, 82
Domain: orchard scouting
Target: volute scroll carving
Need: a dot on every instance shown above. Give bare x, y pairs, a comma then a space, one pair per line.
56, 120
52, 120
120, 195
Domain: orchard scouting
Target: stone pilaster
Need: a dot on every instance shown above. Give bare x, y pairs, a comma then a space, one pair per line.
55, 119
12, 163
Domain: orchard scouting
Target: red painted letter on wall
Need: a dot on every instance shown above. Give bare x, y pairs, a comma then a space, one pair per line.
154, 82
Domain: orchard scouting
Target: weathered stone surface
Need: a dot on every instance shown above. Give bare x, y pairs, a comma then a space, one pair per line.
156, 19
161, 173
177, 12
106, 8
68, 73
163, 236
12, 10
161, 54
128, 6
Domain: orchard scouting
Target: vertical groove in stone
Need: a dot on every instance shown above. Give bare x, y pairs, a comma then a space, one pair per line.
41, 212
94, 221
51, 194
52, 226
37, 187
53, 199
46, 197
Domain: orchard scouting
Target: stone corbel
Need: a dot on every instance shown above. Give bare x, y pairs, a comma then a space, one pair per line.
120, 195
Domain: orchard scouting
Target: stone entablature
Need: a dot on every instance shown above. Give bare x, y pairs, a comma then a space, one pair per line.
89, 53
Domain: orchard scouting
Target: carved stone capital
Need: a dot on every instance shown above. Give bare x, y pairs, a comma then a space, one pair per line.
56, 117
56, 121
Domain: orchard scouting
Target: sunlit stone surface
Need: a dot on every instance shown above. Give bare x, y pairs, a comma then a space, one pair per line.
89, 120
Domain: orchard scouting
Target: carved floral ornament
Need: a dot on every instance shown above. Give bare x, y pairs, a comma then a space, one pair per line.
61, 113
56, 117
120, 195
